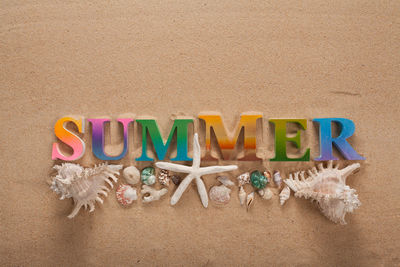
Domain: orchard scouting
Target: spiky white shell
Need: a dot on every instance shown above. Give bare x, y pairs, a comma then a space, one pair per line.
83, 185
327, 187
284, 195
126, 195
131, 175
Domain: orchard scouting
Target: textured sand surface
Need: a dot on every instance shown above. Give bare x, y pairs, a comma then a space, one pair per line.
297, 59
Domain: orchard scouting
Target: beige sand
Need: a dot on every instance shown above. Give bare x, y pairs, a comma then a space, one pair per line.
301, 59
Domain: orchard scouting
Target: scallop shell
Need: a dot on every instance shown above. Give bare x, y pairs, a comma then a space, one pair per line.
284, 195
220, 194
126, 195
266, 193
327, 187
242, 195
131, 175
249, 200
83, 185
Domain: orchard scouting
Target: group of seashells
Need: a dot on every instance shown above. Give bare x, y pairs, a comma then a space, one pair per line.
325, 186
126, 194
259, 181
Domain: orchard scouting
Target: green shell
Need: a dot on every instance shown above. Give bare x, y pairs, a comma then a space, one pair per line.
258, 180
147, 176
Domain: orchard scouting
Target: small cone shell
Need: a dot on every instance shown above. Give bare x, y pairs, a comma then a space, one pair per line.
242, 196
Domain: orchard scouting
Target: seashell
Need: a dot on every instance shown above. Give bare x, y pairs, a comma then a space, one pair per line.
131, 175
243, 179
163, 177
277, 178
225, 181
176, 179
83, 185
147, 176
266, 193
267, 175
284, 195
221, 193
249, 200
258, 180
126, 195
154, 194
327, 187
242, 195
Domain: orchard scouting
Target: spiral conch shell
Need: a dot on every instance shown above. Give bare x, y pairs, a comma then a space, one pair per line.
242, 195
83, 185
284, 195
327, 187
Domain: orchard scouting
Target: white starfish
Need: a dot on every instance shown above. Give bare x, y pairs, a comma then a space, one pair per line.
194, 172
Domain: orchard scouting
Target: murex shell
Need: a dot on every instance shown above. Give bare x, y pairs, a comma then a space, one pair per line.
83, 185
327, 187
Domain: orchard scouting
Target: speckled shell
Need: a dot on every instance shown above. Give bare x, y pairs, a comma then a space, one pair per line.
126, 195
327, 187
131, 175
243, 179
163, 177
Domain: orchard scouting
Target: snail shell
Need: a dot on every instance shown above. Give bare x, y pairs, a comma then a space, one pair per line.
284, 195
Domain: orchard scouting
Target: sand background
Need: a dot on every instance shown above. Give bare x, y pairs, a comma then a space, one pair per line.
294, 59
